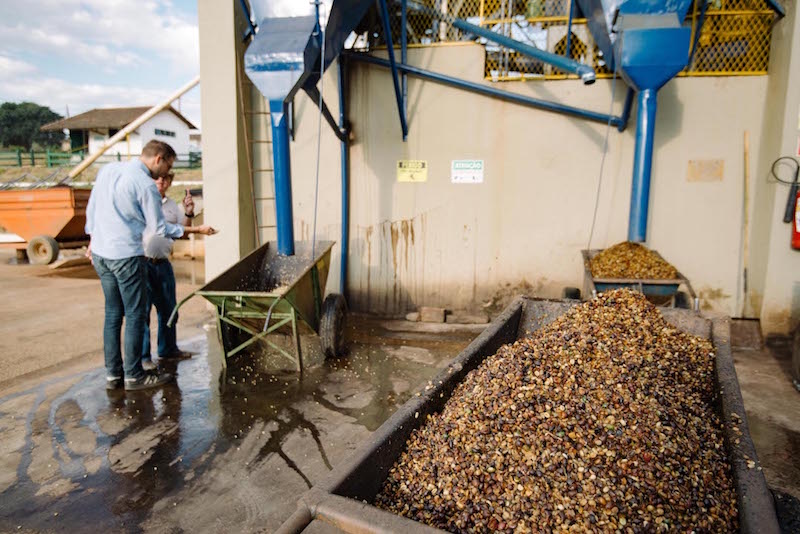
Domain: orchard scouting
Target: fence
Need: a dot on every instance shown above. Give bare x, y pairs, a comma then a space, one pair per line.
734, 39
19, 157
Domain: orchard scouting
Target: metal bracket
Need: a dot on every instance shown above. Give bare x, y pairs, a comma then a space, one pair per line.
313, 94
387, 30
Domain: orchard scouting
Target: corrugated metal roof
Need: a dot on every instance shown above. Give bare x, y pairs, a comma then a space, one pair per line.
106, 118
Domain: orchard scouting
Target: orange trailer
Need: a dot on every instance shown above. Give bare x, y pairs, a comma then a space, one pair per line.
47, 219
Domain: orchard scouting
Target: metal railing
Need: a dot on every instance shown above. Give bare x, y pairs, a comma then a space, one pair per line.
47, 158
734, 39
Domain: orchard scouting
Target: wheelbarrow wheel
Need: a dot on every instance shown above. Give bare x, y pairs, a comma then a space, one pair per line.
331, 328
42, 250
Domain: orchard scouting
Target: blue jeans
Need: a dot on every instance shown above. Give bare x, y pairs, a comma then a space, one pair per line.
125, 291
161, 294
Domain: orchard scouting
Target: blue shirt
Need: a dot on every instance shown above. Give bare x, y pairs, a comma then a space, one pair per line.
125, 203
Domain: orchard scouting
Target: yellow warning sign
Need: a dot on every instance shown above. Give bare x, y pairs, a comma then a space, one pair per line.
412, 170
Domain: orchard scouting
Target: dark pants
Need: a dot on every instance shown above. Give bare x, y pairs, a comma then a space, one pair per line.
125, 290
161, 294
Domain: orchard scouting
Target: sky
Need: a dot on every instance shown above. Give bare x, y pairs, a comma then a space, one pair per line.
85, 54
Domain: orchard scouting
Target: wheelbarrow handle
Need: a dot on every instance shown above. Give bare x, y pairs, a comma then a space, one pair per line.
178, 305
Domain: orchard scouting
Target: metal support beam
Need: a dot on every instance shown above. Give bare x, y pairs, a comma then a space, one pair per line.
283, 177
569, 28
404, 51
585, 72
492, 92
642, 165
701, 18
251, 28
313, 93
777, 7
387, 30
344, 242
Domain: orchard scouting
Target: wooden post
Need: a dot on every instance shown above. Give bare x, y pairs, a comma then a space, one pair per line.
19, 157
33, 158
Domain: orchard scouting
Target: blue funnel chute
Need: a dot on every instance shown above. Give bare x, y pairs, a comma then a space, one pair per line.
275, 60
645, 42
283, 58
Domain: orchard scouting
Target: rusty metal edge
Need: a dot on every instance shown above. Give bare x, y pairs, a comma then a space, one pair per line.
754, 499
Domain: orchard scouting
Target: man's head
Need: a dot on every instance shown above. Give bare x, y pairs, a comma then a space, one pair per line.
164, 182
158, 157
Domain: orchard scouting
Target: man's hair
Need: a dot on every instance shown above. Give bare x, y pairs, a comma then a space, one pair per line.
158, 148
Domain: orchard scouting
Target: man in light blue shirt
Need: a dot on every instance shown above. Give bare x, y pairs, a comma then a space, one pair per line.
123, 205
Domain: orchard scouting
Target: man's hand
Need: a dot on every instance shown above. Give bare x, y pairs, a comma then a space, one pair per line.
188, 204
206, 230
89, 253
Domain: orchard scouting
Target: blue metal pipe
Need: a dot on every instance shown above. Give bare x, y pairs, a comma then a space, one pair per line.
490, 91
404, 51
251, 28
585, 72
626, 109
387, 30
283, 177
642, 165
569, 28
344, 145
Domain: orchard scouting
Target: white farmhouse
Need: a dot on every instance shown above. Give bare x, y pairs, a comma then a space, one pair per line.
90, 130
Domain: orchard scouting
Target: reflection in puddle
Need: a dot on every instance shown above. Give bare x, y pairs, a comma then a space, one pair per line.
231, 449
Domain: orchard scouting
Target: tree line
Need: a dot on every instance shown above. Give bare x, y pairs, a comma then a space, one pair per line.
20, 123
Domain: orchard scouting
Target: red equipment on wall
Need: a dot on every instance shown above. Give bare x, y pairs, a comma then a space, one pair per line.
796, 223
792, 212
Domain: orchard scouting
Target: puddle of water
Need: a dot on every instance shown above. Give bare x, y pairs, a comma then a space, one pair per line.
236, 446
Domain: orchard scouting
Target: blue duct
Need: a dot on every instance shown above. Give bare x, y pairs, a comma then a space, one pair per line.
646, 42
345, 161
283, 58
650, 50
275, 62
282, 171
642, 163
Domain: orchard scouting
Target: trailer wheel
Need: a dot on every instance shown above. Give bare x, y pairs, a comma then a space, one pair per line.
42, 250
571, 293
331, 327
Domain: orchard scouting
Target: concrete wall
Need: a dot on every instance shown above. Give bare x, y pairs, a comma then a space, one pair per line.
775, 280
437, 243
226, 175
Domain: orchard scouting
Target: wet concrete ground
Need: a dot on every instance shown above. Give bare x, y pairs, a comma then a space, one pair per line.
224, 451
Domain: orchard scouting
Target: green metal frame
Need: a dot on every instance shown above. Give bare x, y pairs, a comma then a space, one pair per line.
280, 319
300, 300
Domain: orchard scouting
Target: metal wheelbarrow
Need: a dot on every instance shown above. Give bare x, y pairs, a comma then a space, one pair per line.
666, 290
265, 292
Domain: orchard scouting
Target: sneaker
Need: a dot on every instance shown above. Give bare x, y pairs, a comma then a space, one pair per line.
148, 380
148, 365
113, 382
176, 355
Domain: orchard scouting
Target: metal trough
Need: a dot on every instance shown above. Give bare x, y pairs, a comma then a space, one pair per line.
267, 291
340, 504
667, 290
46, 219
